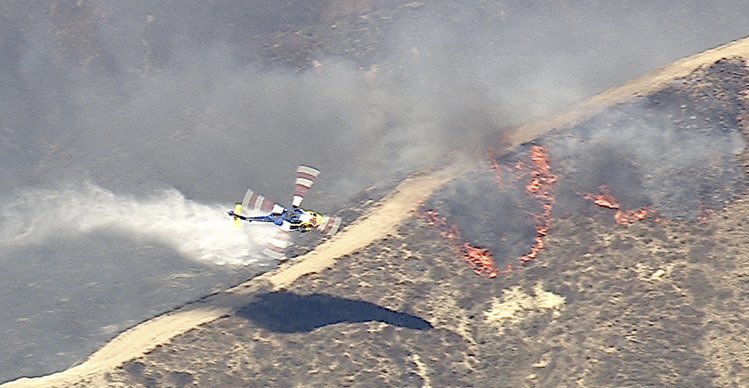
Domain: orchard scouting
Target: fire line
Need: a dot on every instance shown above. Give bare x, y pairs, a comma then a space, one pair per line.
622, 217
480, 260
542, 181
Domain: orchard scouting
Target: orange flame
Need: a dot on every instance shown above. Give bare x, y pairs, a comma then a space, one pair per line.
480, 260
539, 187
621, 217
542, 181
604, 199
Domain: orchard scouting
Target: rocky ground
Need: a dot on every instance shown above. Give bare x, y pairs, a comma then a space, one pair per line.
659, 302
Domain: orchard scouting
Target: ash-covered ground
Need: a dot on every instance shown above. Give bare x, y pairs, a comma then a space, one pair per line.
678, 153
661, 301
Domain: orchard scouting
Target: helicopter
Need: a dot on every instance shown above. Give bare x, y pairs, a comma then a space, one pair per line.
255, 208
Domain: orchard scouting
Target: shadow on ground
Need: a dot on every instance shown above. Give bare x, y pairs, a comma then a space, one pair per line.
286, 312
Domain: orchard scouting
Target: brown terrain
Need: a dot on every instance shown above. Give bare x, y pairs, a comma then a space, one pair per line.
617, 269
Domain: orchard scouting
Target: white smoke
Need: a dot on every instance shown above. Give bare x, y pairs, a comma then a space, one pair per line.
201, 232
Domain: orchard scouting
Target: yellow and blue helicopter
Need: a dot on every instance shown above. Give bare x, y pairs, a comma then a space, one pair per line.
290, 219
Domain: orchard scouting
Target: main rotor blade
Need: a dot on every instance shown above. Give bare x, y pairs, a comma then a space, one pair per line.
276, 247
254, 203
305, 177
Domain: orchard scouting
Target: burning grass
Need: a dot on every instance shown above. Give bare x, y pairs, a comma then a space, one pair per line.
481, 261
622, 217
540, 182
540, 187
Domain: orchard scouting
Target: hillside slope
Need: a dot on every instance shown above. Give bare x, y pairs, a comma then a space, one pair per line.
651, 303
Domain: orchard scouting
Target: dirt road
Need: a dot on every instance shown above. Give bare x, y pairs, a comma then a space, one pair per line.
642, 86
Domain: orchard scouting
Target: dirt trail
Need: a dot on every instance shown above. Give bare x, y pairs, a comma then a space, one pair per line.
380, 221
376, 225
641, 86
